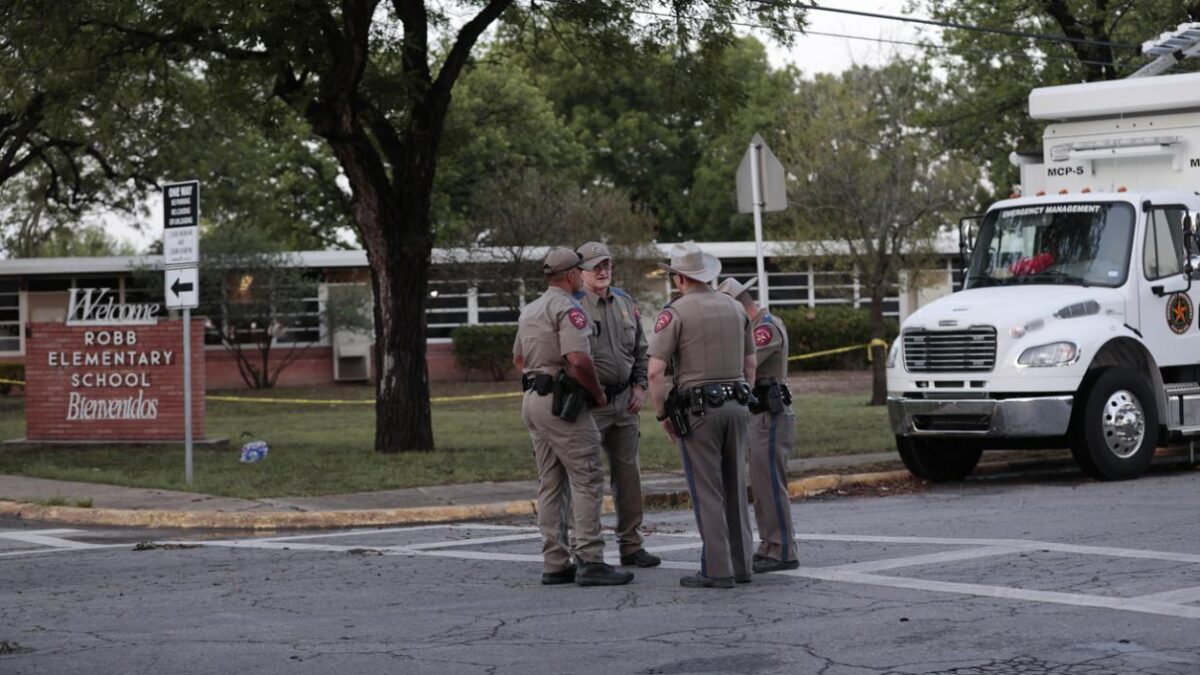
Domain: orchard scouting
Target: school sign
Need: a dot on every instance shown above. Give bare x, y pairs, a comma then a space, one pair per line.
111, 372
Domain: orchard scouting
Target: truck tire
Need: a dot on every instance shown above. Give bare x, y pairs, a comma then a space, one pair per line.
937, 459
1117, 429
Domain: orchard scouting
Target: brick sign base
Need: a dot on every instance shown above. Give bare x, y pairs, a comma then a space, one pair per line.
120, 382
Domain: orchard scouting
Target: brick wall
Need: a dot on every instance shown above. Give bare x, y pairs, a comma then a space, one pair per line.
138, 400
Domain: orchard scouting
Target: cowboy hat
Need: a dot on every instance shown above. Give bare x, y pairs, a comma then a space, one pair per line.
687, 259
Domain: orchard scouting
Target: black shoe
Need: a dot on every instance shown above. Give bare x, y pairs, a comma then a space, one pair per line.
701, 581
773, 565
563, 576
743, 578
640, 558
601, 574
759, 556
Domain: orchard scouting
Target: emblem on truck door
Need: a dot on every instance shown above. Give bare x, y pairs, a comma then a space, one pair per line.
1179, 313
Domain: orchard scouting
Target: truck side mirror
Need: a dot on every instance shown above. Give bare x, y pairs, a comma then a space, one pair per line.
967, 229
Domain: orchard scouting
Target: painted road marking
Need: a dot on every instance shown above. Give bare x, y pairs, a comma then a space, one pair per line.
1175, 603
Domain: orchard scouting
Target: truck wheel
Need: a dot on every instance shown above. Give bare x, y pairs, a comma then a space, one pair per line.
1118, 426
937, 459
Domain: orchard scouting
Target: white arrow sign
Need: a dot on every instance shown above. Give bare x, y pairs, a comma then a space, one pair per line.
182, 288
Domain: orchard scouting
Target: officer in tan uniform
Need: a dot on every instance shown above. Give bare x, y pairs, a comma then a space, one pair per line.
772, 432
619, 352
706, 337
553, 353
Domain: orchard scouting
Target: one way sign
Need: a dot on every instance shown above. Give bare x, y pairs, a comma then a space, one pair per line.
183, 290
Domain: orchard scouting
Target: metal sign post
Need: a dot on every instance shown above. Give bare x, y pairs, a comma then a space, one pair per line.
760, 187
181, 257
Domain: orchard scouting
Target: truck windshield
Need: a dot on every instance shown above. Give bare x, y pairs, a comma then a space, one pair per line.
1082, 244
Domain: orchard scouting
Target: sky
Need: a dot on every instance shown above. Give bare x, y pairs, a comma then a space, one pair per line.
824, 49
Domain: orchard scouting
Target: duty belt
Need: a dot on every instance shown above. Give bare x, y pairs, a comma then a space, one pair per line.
540, 383
696, 399
611, 391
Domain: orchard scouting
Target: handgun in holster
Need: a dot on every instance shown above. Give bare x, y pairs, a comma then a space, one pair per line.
677, 413
570, 398
770, 395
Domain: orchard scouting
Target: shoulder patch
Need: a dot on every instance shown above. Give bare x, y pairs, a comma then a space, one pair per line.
767, 318
577, 318
663, 320
579, 295
762, 336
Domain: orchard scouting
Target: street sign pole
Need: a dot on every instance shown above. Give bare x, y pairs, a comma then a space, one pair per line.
181, 257
756, 191
187, 394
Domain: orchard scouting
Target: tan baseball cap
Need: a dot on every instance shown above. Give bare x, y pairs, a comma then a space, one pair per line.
560, 259
593, 254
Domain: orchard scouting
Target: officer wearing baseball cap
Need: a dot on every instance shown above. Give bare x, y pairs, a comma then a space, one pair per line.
619, 352
552, 351
706, 337
772, 433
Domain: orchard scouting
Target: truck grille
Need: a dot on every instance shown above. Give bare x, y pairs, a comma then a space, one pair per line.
970, 350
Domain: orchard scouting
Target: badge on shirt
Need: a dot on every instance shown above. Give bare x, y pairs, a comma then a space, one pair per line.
577, 318
664, 319
762, 336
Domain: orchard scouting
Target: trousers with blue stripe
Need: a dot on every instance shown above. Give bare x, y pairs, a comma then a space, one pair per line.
714, 461
771, 440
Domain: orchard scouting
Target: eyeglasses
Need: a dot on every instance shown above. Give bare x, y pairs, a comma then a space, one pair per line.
605, 266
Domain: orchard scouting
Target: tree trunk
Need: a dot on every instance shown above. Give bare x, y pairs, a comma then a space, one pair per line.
878, 354
399, 275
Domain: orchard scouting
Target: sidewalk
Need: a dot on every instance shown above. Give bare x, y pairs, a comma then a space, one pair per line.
141, 507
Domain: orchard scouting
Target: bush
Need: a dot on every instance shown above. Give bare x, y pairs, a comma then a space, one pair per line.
10, 371
484, 348
822, 328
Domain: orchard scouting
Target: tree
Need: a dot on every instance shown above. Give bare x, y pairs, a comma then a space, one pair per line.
540, 210
256, 298
991, 74
870, 187
657, 120
363, 76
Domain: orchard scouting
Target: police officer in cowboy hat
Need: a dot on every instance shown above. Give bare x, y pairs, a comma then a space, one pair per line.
706, 337
619, 352
772, 432
553, 353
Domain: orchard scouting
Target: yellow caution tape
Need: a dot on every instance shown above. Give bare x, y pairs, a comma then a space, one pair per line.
361, 401
841, 350
4, 381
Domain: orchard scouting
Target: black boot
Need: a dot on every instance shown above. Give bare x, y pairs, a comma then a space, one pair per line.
601, 574
564, 576
772, 565
640, 558
701, 581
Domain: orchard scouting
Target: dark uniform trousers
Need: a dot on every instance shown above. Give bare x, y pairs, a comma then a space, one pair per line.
771, 439
619, 433
567, 453
714, 464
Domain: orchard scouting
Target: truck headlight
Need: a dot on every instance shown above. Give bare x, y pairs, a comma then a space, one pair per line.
1053, 354
893, 353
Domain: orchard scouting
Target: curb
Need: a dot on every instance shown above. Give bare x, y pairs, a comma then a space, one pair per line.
799, 488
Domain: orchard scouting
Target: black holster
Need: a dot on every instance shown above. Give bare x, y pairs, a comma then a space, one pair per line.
677, 413
539, 383
771, 396
569, 397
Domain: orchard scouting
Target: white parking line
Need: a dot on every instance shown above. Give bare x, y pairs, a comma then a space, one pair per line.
46, 538
931, 558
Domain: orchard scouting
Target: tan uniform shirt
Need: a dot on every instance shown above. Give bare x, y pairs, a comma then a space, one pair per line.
770, 337
551, 327
705, 335
618, 340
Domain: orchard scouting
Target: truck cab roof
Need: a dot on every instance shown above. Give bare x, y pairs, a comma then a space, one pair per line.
1189, 199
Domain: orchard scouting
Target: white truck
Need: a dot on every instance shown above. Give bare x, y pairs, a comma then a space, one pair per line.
1075, 326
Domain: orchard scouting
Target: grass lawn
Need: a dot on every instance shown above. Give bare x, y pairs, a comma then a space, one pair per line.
326, 449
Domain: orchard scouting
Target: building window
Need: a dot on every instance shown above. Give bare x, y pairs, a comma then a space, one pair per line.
10, 315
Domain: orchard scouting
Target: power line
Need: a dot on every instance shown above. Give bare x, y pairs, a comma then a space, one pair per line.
943, 48
951, 24
745, 24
